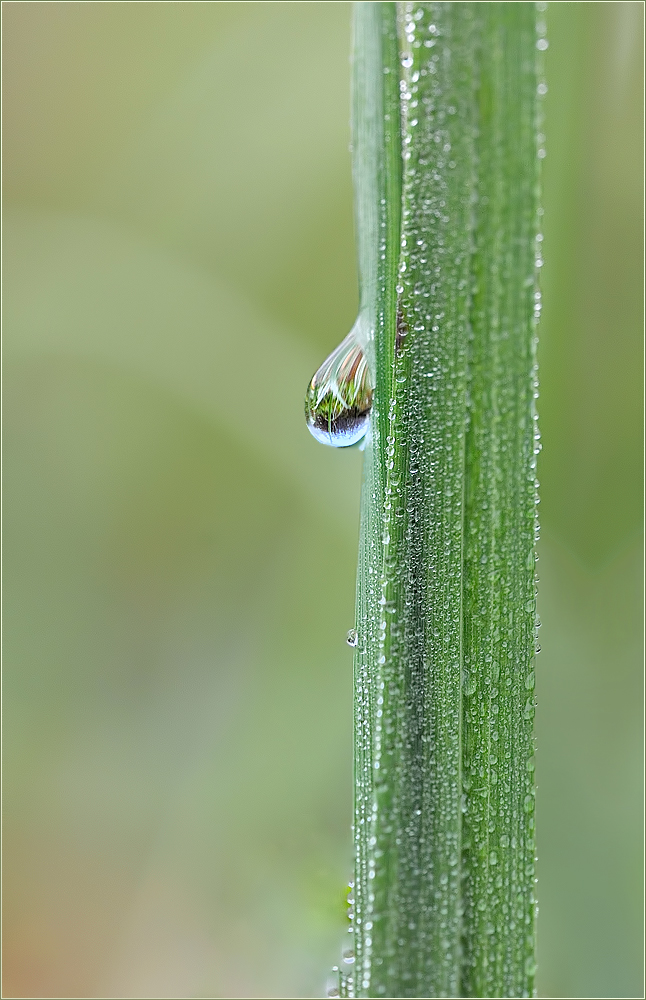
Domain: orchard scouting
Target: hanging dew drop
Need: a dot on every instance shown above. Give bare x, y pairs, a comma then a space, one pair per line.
352, 638
339, 397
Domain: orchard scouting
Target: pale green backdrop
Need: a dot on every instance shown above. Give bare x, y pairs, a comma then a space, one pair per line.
180, 554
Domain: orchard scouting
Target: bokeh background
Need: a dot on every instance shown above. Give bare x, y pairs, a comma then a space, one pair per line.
180, 554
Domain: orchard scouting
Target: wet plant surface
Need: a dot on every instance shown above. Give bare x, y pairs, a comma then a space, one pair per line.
447, 148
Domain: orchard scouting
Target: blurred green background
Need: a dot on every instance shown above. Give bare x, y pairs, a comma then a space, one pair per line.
180, 554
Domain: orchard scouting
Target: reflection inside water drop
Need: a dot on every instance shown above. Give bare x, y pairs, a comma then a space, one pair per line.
339, 397
352, 638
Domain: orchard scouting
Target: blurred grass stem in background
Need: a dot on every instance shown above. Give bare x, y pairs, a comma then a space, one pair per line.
446, 148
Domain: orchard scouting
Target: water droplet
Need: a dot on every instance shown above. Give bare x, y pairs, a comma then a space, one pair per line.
352, 637
470, 685
530, 967
402, 330
339, 397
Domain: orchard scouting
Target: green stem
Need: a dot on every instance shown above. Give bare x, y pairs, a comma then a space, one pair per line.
446, 177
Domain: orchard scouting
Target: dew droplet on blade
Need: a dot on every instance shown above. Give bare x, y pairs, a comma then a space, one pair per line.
339, 397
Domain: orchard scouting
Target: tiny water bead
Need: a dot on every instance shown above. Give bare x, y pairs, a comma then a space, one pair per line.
339, 397
402, 329
352, 638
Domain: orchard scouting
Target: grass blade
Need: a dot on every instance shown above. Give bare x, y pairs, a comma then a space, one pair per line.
444, 126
